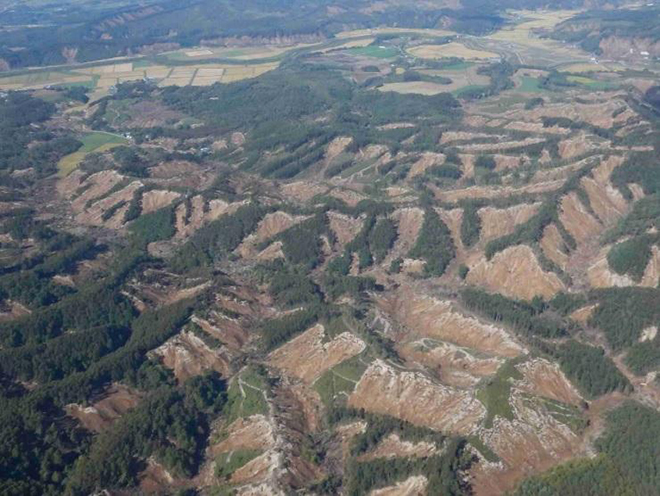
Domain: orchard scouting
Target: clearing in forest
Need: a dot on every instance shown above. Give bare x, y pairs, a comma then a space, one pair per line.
92, 142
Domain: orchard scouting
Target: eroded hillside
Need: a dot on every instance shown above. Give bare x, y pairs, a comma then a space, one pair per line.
310, 282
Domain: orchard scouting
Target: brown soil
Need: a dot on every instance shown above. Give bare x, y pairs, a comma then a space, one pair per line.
307, 356
429, 317
308, 402
453, 218
350, 197
302, 191
494, 192
115, 401
149, 113
536, 127
226, 329
155, 200
601, 276
413, 397
455, 366
503, 162
542, 378
409, 221
96, 186
393, 447
468, 164
599, 112
582, 315
606, 201
497, 222
530, 444
155, 479
575, 146
256, 471
412, 486
577, 220
553, 246
169, 170
271, 225
271, 252
498, 147
13, 310
344, 226
427, 160
337, 147
507, 269
187, 356
94, 214
252, 433
201, 213
448, 136
237, 138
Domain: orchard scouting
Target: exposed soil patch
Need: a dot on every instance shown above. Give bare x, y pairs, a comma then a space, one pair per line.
497, 222
271, 225
393, 447
412, 486
116, 401
553, 246
187, 356
601, 276
577, 219
505, 271
427, 160
155, 200
303, 191
413, 397
252, 433
454, 365
409, 221
542, 378
344, 226
530, 444
337, 146
429, 317
307, 356
494, 191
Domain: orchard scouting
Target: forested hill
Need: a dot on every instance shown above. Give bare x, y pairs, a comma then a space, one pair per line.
35, 34
615, 33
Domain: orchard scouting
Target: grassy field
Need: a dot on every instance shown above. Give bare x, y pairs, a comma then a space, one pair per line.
529, 84
359, 43
522, 31
522, 42
590, 67
100, 78
453, 49
471, 87
42, 79
591, 83
463, 76
375, 51
418, 87
246, 397
458, 66
92, 142
340, 380
228, 463
496, 391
